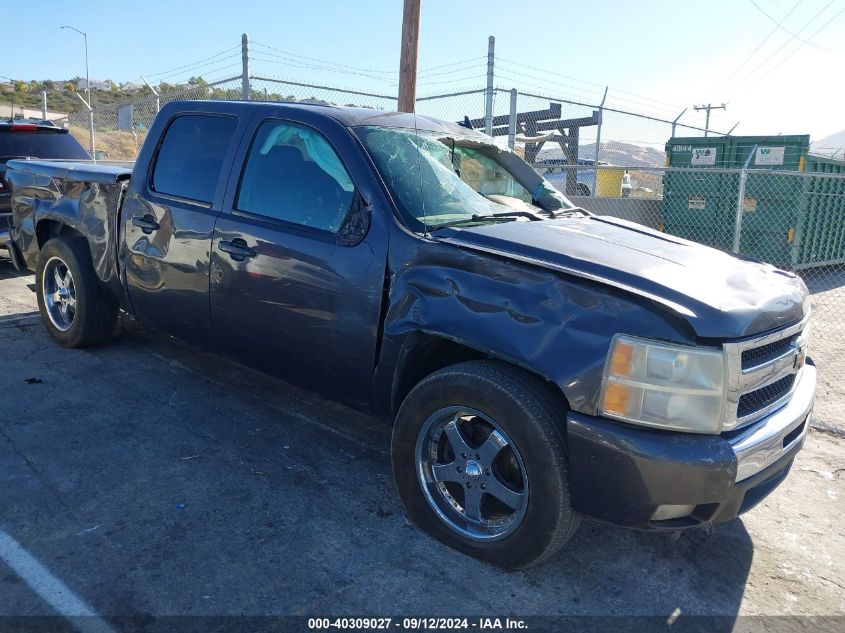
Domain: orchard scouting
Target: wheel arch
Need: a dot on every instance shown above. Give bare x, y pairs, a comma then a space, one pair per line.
48, 228
423, 353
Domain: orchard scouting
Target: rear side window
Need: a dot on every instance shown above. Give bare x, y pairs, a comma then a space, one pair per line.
191, 156
52, 145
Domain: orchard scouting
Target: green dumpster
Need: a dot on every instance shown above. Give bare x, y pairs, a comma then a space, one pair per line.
772, 202
788, 219
696, 205
820, 231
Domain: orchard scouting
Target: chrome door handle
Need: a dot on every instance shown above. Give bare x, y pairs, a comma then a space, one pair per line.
237, 249
147, 224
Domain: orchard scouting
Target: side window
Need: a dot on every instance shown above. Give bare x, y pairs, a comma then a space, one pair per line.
191, 155
293, 174
488, 177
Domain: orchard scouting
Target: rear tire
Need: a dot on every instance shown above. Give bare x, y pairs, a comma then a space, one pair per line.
479, 459
75, 308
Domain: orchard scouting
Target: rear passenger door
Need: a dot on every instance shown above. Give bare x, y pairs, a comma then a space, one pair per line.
169, 217
292, 292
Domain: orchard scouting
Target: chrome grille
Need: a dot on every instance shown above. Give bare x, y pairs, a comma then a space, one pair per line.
763, 397
760, 355
762, 373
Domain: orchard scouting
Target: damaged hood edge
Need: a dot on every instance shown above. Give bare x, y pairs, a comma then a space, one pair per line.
672, 305
666, 274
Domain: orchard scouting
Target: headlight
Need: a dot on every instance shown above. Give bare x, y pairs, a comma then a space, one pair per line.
666, 386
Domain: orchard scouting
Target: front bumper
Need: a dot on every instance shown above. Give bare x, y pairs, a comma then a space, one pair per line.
635, 477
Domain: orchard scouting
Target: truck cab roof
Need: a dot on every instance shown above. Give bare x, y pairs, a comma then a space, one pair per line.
350, 116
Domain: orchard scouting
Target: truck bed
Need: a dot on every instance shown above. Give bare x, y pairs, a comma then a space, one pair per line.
75, 171
52, 195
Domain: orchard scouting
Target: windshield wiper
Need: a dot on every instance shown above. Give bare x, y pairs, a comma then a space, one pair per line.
505, 216
570, 211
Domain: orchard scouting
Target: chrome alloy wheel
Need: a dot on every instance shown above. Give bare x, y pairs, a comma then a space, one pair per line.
471, 474
59, 293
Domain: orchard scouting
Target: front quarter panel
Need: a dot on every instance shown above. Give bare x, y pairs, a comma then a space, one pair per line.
555, 326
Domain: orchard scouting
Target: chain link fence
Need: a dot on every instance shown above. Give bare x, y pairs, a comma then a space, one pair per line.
116, 132
609, 162
794, 220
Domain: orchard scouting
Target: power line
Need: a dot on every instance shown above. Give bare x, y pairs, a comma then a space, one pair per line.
452, 71
779, 25
197, 66
209, 71
754, 52
192, 64
799, 47
547, 71
671, 106
546, 81
781, 47
279, 53
282, 54
471, 59
452, 81
286, 62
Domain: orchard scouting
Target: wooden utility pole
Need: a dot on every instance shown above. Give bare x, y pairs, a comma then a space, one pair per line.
707, 108
408, 57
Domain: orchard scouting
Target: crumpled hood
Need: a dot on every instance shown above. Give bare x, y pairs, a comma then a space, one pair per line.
720, 295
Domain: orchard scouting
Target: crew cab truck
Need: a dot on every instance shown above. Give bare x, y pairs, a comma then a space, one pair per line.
539, 363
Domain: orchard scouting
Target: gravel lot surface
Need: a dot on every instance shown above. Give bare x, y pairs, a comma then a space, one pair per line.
154, 479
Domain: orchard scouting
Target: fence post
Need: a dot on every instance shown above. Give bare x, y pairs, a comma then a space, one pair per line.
90, 124
675, 122
488, 103
155, 92
512, 121
740, 199
245, 64
598, 141
43, 105
91, 133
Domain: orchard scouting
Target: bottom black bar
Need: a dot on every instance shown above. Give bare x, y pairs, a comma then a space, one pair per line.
676, 623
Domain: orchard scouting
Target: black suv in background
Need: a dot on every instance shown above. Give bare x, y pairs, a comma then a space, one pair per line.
30, 138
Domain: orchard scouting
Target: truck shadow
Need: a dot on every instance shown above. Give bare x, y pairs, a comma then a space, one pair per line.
607, 570
200, 478
7, 271
603, 571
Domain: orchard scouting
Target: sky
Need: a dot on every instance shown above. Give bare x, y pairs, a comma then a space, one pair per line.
778, 64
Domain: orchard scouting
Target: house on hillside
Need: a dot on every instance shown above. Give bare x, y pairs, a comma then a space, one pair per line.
96, 84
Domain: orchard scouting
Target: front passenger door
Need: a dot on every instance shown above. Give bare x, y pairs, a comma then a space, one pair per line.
289, 294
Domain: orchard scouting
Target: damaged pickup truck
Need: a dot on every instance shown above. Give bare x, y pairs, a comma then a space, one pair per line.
539, 363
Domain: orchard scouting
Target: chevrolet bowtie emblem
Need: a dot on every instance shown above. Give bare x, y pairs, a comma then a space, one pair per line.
800, 357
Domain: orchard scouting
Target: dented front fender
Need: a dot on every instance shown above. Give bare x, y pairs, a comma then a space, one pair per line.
556, 326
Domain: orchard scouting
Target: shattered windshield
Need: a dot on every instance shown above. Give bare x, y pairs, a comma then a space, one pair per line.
439, 180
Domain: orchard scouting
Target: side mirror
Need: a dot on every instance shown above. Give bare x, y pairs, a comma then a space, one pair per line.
356, 224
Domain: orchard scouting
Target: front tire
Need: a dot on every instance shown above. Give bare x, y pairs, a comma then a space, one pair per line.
76, 310
480, 463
